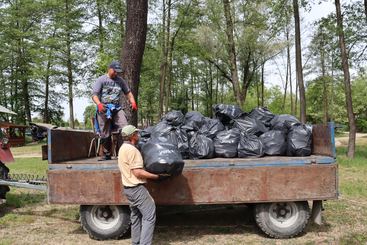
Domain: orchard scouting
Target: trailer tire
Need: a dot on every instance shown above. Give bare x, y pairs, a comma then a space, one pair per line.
282, 220
103, 222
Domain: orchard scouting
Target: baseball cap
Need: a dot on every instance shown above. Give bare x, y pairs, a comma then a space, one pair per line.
128, 130
116, 66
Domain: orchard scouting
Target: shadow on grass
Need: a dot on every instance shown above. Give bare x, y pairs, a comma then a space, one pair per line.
20, 199
314, 228
187, 223
69, 215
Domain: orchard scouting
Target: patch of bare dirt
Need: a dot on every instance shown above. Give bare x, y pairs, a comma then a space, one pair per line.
59, 224
361, 138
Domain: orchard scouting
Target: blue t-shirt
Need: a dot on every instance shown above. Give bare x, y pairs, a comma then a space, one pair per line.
109, 90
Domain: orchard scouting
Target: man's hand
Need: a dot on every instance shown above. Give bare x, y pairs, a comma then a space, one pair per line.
134, 106
162, 177
101, 107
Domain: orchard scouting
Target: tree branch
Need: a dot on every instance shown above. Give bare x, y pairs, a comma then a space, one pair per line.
223, 73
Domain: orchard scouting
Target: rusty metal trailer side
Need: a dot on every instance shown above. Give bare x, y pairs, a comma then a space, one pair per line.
77, 180
201, 185
280, 186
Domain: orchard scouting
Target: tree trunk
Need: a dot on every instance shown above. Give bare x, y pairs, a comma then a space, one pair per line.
365, 8
122, 19
133, 48
348, 90
232, 52
285, 88
25, 90
100, 25
289, 74
299, 72
69, 67
262, 83
210, 92
46, 117
192, 93
164, 60
324, 82
216, 86
169, 74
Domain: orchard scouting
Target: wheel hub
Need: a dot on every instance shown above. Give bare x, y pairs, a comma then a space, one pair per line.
283, 214
105, 217
282, 211
106, 213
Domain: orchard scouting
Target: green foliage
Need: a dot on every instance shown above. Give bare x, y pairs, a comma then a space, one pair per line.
89, 113
359, 90
35, 65
30, 165
20, 199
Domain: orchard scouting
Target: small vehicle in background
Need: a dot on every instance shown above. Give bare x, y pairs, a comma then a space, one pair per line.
5, 157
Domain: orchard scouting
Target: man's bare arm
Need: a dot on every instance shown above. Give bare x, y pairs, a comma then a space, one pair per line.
142, 174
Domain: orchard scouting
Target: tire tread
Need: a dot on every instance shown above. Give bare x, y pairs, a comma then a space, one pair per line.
260, 222
95, 236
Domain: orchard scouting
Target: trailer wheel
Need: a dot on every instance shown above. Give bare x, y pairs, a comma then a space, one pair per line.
104, 222
282, 220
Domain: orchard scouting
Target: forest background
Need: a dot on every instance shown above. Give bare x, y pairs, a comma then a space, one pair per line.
197, 53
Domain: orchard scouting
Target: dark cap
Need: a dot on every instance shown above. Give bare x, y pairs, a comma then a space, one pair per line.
116, 66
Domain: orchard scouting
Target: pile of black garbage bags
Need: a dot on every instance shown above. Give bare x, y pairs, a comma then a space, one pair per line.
232, 133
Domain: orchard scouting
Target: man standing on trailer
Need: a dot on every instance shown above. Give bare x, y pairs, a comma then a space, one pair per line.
106, 95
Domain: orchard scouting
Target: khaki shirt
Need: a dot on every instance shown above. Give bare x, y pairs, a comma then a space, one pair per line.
129, 158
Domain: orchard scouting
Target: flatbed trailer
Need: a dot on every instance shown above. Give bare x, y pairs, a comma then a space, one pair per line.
280, 188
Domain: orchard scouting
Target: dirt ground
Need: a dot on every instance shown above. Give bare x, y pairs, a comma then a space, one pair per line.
343, 140
344, 222
59, 224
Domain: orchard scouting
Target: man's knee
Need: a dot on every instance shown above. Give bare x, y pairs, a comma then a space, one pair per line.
150, 213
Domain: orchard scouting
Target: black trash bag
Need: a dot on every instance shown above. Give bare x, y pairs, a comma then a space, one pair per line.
145, 133
201, 147
211, 127
183, 142
144, 136
162, 129
226, 143
283, 122
274, 142
262, 114
142, 142
193, 121
162, 158
250, 125
225, 113
299, 140
250, 146
174, 118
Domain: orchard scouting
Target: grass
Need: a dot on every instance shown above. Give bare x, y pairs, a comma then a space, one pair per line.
31, 148
32, 165
345, 220
353, 172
